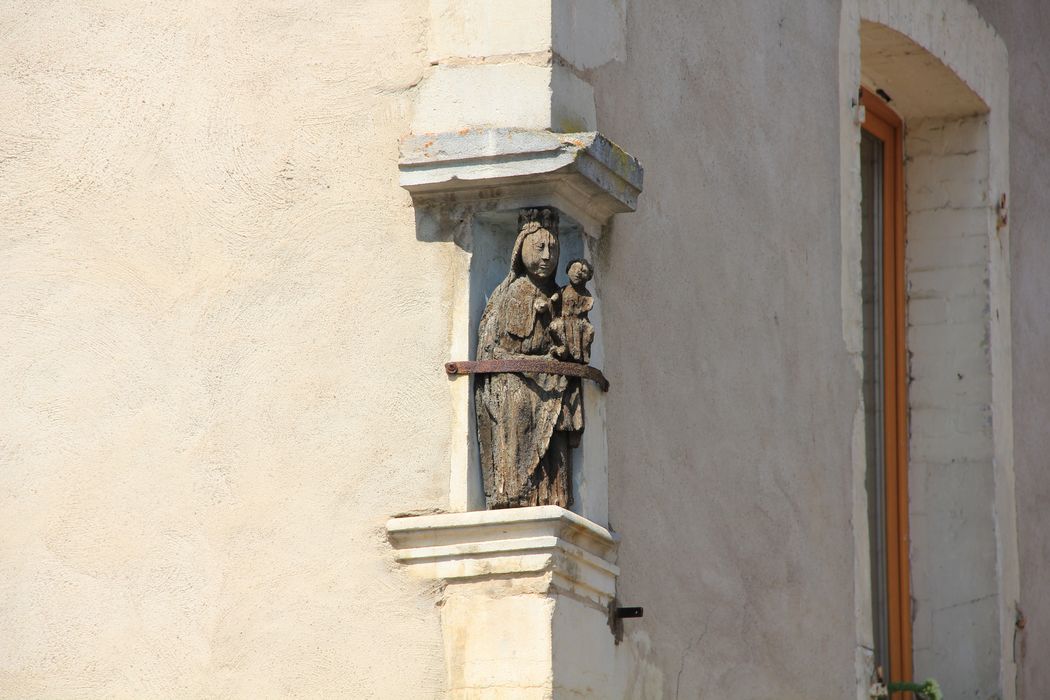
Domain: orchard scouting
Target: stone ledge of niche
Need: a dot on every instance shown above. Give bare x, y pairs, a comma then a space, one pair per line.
574, 554
585, 170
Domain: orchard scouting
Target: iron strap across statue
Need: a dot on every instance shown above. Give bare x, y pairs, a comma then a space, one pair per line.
529, 420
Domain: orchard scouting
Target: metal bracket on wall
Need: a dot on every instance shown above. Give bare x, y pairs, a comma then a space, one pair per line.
523, 365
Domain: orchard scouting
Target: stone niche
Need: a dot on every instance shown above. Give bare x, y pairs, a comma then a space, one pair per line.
528, 594
491, 243
472, 184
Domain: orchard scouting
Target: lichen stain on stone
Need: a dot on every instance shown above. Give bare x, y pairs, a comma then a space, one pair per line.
572, 125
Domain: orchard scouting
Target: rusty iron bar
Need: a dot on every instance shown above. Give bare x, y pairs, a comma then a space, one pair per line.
539, 364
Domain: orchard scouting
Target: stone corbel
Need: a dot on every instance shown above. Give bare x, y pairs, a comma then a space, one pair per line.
526, 598
562, 551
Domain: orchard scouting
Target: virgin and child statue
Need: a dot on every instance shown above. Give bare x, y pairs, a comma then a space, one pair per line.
528, 422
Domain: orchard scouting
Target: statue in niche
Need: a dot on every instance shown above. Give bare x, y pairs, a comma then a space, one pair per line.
529, 421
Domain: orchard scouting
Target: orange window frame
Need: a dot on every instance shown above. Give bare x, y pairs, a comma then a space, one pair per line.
883, 123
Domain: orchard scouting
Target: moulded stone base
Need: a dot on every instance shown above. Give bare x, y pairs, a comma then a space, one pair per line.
525, 610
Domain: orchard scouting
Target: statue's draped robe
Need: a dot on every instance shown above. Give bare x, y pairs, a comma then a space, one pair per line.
522, 430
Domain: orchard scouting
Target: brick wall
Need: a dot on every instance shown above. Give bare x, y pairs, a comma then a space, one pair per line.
953, 547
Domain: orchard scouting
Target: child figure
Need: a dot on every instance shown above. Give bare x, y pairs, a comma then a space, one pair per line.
571, 334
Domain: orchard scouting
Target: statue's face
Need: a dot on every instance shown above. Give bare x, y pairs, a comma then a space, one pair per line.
539, 253
579, 273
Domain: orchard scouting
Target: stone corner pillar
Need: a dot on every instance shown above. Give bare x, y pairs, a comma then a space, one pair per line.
504, 118
507, 100
525, 611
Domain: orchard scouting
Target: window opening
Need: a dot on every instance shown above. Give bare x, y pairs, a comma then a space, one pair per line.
885, 386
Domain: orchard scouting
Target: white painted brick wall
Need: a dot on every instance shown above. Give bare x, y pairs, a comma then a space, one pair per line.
947, 277
950, 393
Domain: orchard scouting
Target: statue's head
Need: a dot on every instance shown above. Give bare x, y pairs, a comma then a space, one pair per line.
537, 242
580, 271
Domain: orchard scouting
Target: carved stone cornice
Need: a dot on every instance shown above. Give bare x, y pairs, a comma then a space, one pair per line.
584, 173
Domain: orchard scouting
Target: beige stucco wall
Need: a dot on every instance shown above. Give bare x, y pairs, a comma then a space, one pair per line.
222, 325
220, 342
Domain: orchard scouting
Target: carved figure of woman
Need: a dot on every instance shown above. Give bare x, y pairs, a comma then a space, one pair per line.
523, 436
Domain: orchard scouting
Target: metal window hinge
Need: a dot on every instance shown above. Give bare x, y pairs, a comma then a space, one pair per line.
859, 113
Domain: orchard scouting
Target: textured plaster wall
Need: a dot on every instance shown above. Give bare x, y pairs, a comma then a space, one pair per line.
1025, 27
731, 420
219, 342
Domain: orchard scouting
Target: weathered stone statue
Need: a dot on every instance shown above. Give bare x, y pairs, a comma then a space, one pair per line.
528, 421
